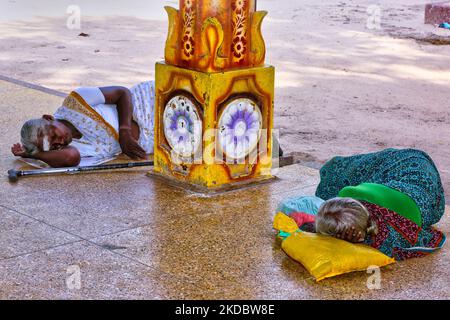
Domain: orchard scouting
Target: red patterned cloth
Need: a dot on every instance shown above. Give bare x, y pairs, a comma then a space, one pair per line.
305, 221
401, 238
302, 217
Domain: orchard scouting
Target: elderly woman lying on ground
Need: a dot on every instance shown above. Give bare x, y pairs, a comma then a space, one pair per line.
388, 200
92, 122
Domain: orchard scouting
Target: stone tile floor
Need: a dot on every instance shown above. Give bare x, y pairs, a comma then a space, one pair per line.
134, 237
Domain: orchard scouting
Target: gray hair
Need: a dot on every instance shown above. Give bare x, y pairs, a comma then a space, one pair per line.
30, 133
338, 214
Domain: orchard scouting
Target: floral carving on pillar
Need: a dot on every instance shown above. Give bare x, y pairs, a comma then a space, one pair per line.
215, 35
239, 24
188, 42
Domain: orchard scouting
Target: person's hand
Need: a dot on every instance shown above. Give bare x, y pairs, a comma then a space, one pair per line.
129, 145
18, 150
350, 235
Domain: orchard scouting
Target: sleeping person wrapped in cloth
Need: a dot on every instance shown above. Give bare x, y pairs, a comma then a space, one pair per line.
389, 200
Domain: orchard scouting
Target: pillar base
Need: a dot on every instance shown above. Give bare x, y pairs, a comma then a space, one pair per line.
218, 109
204, 191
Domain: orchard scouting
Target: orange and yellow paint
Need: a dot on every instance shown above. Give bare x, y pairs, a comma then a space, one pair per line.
214, 55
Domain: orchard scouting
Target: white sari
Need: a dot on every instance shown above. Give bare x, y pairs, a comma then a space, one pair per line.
99, 138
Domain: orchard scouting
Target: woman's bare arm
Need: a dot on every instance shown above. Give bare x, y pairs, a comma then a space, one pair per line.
66, 157
121, 97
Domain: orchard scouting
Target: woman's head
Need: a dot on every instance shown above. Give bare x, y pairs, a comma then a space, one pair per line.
337, 216
33, 135
44, 134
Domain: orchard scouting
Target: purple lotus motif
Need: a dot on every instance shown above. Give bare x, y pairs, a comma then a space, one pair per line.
240, 128
182, 125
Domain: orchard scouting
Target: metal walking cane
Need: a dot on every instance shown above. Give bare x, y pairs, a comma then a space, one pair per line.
14, 175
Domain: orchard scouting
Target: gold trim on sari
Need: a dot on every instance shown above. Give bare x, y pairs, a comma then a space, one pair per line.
76, 103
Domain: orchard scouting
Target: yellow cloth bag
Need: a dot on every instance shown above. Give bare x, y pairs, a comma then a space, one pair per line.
325, 256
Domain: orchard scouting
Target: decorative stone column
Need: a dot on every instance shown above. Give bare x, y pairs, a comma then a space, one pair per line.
214, 96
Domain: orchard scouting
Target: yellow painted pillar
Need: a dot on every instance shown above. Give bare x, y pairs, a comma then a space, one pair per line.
214, 96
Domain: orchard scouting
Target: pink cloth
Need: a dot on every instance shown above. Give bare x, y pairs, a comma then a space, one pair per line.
302, 218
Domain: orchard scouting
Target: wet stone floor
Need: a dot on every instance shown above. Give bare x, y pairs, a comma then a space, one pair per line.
125, 235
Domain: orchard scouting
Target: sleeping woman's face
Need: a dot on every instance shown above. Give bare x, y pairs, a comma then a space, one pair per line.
57, 136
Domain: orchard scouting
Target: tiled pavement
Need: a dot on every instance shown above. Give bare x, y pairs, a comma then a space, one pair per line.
134, 237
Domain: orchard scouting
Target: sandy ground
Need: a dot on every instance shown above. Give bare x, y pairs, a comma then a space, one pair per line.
341, 87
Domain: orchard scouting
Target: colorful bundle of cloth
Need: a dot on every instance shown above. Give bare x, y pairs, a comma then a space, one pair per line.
325, 256
403, 193
410, 197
